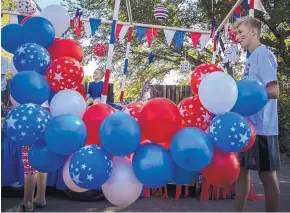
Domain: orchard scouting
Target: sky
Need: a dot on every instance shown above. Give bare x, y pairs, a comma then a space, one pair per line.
169, 79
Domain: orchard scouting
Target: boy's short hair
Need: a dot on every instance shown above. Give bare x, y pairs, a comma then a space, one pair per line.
101, 71
248, 20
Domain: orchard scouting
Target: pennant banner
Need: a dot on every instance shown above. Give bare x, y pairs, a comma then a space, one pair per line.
76, 23
87, 27
118, 30
195, 38
169, 34
141, 31
95, 23
204, 39
179, 38
123, 32
151, 34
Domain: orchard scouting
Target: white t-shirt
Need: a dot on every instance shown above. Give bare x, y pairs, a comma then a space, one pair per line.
262, 65
4, 67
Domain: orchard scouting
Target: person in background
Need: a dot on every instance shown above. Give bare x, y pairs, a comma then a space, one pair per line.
4, 68
264, 156
95, 88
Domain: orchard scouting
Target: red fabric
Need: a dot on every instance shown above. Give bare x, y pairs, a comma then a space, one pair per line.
238, 10
195, 38
151, 34
77, 27
118, 30
106, 82
252, 4
28, 170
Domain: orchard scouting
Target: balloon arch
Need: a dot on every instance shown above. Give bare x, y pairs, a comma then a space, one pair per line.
100, 148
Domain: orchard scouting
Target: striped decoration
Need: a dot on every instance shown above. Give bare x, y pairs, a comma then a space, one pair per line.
160, 12
252, 7
126, 64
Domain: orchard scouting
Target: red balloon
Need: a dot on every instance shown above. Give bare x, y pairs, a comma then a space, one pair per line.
160, 120
233, 35
93, 118
194, 114
252, 139
64, 73
81, 89
66, 47
200, 72
223, 170
25, 19
133, 109
100, 50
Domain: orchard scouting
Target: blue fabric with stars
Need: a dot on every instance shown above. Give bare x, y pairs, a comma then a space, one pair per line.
26, 123
31, 56
230, 132
91, 167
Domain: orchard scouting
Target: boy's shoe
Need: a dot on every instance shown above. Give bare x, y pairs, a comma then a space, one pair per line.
39, 204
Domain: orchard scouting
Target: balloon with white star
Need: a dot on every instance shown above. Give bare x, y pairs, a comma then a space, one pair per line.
29, 87
230, 132
31, 56
26, 7
91, 167
26, 123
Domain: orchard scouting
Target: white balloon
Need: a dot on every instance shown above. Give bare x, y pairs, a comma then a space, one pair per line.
68, 102
218, 92
13, 70
58, 16
122, 188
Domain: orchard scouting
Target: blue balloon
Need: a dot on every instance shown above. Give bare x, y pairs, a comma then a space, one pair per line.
182, 176
252, 97
152, 165
44, 160
120, 134
65, 134
31, 56
230, 132
29, 87
39, 30
91, 167
11, 37
191, 149
26, 123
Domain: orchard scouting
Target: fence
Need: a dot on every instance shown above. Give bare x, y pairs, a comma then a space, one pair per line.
172, 92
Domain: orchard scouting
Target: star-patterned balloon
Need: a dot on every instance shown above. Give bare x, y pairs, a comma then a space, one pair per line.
26, 123
230, 132
64, 73
26, 7
194, 114
91, 167
31, 56
133, 109
100, 50
200, 72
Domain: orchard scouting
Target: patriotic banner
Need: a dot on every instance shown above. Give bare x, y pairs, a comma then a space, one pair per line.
95, 23
76, 23
246, 5
169, 34
204, 39
118, 30
151, 58
195, 38
179, 38
141, 31
151, 34
87, 27
123, 32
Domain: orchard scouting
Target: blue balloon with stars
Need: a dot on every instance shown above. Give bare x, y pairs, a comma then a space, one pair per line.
31, 56
91, 167
230, 132
26, 123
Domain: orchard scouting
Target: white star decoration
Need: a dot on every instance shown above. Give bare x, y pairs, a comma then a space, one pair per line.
58, 77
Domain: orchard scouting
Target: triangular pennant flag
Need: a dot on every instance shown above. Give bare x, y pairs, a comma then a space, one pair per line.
118, 29
13, 19
246, 5
204, 38
123, 32
95, 23
87, 29
151, 58
76, 23
141, 31
179, 38
195, 38
258, 5
151, 34
20, 18
169, 34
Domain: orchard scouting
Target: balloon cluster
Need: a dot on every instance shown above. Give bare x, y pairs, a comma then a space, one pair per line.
45, 68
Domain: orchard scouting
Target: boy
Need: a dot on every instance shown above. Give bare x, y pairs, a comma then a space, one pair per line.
264, 156
95, 88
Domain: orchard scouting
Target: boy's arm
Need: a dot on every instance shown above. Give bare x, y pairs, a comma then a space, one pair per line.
88, 91
268, 73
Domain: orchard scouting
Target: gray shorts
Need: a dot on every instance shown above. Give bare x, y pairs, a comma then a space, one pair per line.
263, 156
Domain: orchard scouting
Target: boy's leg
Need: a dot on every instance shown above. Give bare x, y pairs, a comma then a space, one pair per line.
269, 164
40, 200
89, 102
